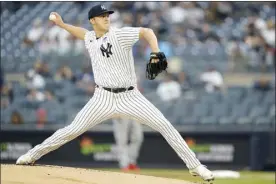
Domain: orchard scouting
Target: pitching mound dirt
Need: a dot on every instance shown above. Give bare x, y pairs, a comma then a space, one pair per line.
14, 174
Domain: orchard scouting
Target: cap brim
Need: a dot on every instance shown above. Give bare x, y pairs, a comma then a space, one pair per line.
108, 11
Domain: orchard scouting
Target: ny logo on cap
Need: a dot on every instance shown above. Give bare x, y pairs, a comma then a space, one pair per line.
103, 8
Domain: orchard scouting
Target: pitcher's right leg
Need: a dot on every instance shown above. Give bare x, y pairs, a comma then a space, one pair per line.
99, 108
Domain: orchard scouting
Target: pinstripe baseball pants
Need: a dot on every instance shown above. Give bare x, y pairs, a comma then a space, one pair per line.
105, 105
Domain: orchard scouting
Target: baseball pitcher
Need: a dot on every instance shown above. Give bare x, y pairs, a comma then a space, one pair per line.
116, 92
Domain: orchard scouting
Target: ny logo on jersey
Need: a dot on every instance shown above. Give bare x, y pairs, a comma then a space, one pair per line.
106, 51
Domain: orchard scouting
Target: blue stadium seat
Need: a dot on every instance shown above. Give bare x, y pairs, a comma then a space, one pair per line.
258, 111
220, 110
201, 110
188, 120
227, 120
240, 110
263, 120
244, 120
29, 116
272, 111
209, 120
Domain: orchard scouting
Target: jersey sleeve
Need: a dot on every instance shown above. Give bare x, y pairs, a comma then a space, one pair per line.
128, 36
87, 38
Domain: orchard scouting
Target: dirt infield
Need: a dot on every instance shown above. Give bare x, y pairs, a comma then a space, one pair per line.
13, 174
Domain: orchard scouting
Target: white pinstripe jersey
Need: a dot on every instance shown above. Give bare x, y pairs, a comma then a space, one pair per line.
112, 58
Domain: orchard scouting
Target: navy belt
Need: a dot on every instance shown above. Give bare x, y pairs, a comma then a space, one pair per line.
117, 90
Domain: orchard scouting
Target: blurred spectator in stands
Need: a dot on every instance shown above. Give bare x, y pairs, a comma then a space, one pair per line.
85, 80
7, 92
49, 95
64, 42
262, 84
169, 90
35, 33
45, 46
41, 117
65, 73
212, 80
176, 13
236, 55
44, 70
34, 77
269, 33
207, 34
269, 36
183, 80
218, 11
256, 45
16, 118
50, 98
51, 37
194, 15
35, 95
34, 80
58, 38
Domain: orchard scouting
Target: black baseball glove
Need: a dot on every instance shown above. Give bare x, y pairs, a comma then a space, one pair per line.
153, 69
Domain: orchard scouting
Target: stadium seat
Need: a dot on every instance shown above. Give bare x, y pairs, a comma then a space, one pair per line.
227, 120
263, 120
272, 111
209, 120
240, 110
29, 116
220, 110
201, 110
257, 111
188, 120
244, 120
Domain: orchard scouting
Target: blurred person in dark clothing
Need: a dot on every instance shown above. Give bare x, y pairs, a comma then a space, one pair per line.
256, 45
262, 84
7, 92
236, 52
49, 95
65, 73
207, 34
45, 71
16, 118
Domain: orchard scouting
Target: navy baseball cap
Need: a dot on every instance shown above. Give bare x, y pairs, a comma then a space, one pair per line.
98, 10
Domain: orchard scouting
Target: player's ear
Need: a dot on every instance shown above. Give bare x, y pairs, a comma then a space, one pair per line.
92, 21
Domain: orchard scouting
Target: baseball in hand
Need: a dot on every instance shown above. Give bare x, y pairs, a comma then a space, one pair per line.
52, 17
